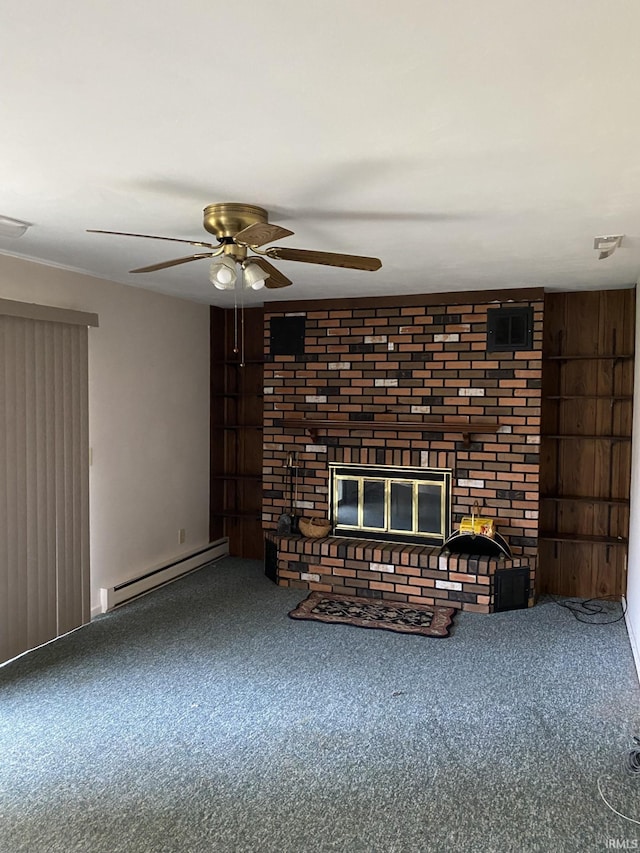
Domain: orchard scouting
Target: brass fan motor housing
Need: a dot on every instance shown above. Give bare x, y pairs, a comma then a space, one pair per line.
229, 218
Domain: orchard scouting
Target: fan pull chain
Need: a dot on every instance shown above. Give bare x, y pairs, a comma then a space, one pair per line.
242, 337
241, 281
235, 318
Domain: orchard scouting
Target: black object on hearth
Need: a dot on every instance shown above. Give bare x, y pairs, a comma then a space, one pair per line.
271, 560
511, 589
477, 544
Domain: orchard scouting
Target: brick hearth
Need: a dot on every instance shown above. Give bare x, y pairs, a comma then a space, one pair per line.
410, 362
413, 573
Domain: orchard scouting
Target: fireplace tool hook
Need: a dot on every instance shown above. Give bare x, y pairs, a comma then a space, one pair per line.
295, 519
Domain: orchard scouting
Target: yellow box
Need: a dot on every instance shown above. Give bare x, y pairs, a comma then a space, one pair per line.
476, 525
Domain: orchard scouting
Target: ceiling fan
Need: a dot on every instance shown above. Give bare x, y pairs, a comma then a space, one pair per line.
240, 229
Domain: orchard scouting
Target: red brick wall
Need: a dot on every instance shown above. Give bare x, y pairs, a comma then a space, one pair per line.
408, 363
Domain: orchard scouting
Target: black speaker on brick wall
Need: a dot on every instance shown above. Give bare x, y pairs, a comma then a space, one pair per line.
286, 335
509, 329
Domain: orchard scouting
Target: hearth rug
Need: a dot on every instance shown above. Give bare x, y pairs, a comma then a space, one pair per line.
376, 613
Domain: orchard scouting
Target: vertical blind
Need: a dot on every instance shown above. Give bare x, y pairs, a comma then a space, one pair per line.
44, 481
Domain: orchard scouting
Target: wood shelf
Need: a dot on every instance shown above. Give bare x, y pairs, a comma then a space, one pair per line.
314, 425
589, 397
236, 363
257, 478
236, 395
609, 356
240, 513
582, 538
587, 500
236, 426
591, 437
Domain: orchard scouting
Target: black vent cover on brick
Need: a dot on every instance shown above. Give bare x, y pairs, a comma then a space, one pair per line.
511, 588
287, 335
509, 329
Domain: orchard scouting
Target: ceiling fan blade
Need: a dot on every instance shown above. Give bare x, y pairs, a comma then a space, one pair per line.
152, 237
331, 259
260, 233
175, 262
276, 279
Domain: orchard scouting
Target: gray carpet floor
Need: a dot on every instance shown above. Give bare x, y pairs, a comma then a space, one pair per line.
201, 718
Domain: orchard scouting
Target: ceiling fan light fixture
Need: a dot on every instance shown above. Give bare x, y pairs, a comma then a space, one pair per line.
239, 228
254, 275
222, 273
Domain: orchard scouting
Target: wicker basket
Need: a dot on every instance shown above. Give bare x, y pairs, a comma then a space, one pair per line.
316, 528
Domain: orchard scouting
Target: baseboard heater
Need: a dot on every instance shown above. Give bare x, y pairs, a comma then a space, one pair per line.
115, 596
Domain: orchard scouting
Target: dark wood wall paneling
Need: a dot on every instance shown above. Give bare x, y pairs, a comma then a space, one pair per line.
236, 432
586, 446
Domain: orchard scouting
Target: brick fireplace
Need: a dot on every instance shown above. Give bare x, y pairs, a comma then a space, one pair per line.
405, 383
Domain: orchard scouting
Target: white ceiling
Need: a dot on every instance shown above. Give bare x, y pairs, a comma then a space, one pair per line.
469, 145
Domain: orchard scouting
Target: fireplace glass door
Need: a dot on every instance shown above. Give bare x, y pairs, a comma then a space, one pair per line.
392, 504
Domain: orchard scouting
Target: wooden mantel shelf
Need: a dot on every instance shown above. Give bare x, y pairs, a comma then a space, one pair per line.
465, 429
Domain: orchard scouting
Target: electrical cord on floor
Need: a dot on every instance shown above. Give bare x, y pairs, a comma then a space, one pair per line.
615, 811
632, 763
631, 768
591, 607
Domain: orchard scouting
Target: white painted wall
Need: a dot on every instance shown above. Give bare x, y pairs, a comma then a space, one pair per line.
633, 574
148, 416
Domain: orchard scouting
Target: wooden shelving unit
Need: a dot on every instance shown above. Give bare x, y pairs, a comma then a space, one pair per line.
586, 442
236, 433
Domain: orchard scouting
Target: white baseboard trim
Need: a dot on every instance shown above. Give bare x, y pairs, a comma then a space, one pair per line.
157, 576
635, 648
